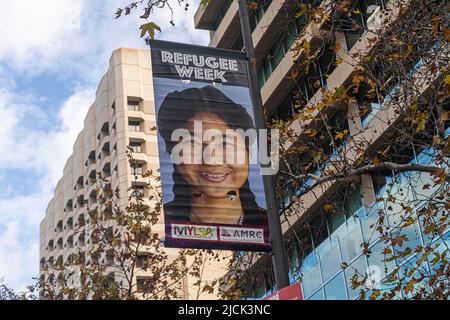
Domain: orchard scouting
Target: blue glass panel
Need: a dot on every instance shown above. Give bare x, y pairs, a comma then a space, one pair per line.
329, 256
412, 232
317, 296
336, 289
358, 267
369, 222
310, 274
374, 109
350, 239
405, 274
378, 268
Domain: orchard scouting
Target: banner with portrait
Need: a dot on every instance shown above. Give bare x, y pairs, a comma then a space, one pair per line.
212, 188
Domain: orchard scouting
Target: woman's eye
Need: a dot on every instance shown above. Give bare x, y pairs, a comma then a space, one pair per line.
228, 144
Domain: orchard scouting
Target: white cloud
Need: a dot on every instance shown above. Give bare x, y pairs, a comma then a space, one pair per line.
18, 256
78, 36
49, 36
45, 154
36, 27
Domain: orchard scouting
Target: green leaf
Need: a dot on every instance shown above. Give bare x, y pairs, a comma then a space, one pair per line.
150, 29
205, 2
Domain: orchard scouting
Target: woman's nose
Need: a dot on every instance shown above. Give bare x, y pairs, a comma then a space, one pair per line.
213, 154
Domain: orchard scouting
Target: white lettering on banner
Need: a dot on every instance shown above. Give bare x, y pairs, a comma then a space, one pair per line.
239, 234
199, 67
196, 232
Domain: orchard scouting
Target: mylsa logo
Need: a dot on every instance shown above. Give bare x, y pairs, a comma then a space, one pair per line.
183, 231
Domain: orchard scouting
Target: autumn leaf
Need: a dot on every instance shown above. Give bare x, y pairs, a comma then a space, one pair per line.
439, 176
375, 294
306, 46
311, 133
118, 13
205, 2
150, 29
328, 208
146, 13
435, 24
341, 134
398, 241
337, 47
252, 5
293, 74
447, 80
447, 33
420, 120
303, 10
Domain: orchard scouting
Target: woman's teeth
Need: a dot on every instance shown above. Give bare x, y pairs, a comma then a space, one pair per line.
214, 177
209, 175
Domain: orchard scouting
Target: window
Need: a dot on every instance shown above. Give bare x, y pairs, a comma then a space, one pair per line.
365, 15
368, 104
220, 14
42, 262
285, 111
136, 147
138, 191
134, 126
142, 259
358, 267
317, 296
133, 105
381, 182
144, 284
335, 289
256, 15
278, 51
329, 256
311, 274
137, 169
59, 226
50, 245
70, 223
238, 43
81, 239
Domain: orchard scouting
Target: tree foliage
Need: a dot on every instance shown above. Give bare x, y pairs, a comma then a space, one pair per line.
124, 256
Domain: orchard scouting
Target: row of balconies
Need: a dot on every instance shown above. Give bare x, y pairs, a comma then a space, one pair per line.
75, 229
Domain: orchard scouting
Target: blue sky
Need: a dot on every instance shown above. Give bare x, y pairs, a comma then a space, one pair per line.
52, 56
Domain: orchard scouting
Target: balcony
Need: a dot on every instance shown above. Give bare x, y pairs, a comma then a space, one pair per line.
206, 16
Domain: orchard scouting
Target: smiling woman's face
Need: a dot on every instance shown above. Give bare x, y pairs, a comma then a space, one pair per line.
219, 176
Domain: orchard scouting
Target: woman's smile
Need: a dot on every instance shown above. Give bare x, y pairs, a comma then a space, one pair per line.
214, 177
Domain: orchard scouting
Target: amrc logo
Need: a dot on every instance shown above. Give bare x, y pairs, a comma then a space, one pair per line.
248, 235
181, 231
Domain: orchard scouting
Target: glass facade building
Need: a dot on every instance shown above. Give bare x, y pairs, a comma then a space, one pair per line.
321, 271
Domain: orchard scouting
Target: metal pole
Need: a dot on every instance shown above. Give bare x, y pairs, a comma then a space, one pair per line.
276, 234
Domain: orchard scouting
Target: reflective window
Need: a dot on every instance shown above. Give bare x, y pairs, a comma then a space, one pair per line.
412, 240
358, 268
329, 255
311, 278
378, 268
350, 240
336, 289
369, 222
317, 296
